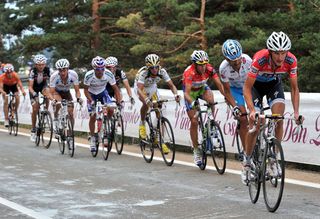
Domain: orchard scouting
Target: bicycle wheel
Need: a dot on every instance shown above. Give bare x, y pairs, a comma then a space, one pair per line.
46, 130
204, 158
119, 134
254, 183
70, 137
167, 140
146, 145
274, 175
107, 138
62, 139
218, 149
239, 143
38, 129
15, 124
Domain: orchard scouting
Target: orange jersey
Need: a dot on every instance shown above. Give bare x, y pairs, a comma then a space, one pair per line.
197, 81
9, 81
261, 67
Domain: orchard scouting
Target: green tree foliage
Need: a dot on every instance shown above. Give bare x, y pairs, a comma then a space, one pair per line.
130, 29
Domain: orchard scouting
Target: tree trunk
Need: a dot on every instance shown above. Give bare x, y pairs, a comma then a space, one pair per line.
96, 24
204, 42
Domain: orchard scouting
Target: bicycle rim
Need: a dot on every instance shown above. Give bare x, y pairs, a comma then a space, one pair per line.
167, 140
239, 146
218, 149
38, 130
95, 153
146, 145
106, 139
254, 183
70, 138
119, 134
61, 140
15, 124
46, 130
204, 158
273, 183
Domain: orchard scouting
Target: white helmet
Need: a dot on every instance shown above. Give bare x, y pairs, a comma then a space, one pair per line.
98, 62
278, 41
62, 63
8, 67
111, 61
152, 60
39, 59
199, 57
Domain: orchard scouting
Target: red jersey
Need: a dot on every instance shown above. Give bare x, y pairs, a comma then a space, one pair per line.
197, 81
261, 67
9, 81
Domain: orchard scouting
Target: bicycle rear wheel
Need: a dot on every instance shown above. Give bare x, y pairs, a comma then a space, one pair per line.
107, 137
70, 138
274, 175
204, 158
146, 145
45, 131
218, 149
119, 134
167, 140
62, 140
15, 124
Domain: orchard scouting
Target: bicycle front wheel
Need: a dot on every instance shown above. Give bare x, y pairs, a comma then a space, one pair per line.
62, 140
45, 130
239, 145
167, 143
119, 134
218, 149
107, 137
274, 174
146, 145
70, 138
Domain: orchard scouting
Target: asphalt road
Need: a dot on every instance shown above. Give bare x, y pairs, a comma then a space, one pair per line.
40, 183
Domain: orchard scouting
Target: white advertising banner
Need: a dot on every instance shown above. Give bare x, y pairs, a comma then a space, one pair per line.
302, 147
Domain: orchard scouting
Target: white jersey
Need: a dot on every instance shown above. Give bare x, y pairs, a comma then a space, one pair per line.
236, 79
56, 82
98, 85
144, 77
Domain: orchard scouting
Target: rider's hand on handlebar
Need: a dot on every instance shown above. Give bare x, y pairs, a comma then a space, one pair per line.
298, 118
177, 98
132, 101
79, 100
148, 102
34, 94
53, 102
236, 111
252, 115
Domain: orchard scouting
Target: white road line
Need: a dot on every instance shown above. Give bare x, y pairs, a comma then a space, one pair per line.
22, 209
237, 172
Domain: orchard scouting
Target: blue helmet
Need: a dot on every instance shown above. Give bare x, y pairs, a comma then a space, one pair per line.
231, 49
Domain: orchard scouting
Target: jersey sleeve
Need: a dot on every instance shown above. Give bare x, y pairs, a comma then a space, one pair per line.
293, 63
165, 75
111, 78
142, 77
223, 73
31, 75
123, 75
53, 79
212, 72
75, 78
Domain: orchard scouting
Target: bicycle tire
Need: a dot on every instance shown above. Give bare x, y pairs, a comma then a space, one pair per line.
70, 138
254, 185
61, 140
204, 158
15, 124
118, 134
107, 138
272, 180
218, 152
166, 137
38, 130
146, 145
45, 125
239, 144
95, 153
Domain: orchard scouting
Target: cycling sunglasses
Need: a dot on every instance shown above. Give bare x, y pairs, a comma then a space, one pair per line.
154, 67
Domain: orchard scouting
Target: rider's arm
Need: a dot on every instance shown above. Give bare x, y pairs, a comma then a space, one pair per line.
219, 85
1, 88
128, 88
295, 96
141, 94
248, 95
227, 94
172, 87
116, 92
86, 93
187, 92
77, 90
52, 90
20, 85
31, 82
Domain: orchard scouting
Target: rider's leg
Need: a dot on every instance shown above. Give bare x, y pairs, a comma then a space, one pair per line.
278, 108
92, 122
243, 127
16, 107
208, 97
35, 109
193, 128
5, 107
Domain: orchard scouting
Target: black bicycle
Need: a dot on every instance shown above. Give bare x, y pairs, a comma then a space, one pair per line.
44, 127
211, 138
269, 163
159, 135
12, 115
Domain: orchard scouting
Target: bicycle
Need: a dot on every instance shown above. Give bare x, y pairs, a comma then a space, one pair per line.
210, 138
44, 127
12, 115
65, 128
160, 129
267, 153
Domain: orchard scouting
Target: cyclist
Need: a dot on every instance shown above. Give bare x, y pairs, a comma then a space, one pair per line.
146, 88
264, 79
95, 82
60, 84
233, 71
38, 82
9, 82
195, 86
120, 76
